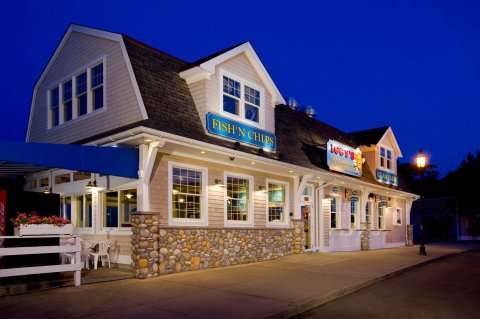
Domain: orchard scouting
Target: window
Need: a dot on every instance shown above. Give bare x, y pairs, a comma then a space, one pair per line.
385, 158
353, 214
80, 176
368, 213
397, 217
238, 199
277, 203
54, 110
97, 86
62, 179
66, 207
32, 184
334, 212
44, 182
241, 100
84, 210
117, 208
67, 101
381, 215
80, 94
188, 192
81, 81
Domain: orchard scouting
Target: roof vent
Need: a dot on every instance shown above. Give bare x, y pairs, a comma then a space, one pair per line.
292, 103
309, 111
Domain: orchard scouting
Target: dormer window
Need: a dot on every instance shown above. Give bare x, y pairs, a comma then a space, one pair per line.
241, 99
385, 158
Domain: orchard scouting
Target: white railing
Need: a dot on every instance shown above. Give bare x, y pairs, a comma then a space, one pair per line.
32, 250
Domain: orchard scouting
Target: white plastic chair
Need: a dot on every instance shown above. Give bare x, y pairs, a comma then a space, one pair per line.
103, 247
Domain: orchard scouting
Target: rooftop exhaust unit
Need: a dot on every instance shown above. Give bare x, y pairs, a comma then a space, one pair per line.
309, 111
292, 103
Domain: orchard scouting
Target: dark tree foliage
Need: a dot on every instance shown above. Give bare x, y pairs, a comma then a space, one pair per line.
411, 177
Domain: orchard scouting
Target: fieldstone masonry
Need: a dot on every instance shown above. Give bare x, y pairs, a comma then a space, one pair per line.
145, 256
157, 251
298, 236
409, 235
365, 237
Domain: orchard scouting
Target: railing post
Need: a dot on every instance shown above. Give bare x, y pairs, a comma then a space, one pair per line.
77, 276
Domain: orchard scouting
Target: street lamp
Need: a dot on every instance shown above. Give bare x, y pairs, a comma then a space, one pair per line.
421, 164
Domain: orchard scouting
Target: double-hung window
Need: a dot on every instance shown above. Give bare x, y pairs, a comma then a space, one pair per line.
385, 158
118, 207
54, 107
67, 101
66, 207
97, 86
81, 83
353, 214
334, 212
397, 217
368, 213
381, 215
238, 191
188, 194
241, 99
277, 203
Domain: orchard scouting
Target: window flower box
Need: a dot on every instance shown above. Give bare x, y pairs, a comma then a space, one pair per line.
44, 229
31, 225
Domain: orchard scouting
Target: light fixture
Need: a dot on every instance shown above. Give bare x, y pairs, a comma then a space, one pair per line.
203, 152
93, 184
261, 187
181, 200
47, 190
175, 191
129, 196
148, 140
253, 163
291, 171
218, 182
421, 159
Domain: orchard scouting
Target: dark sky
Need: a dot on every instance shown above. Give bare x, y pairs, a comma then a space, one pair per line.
413, 65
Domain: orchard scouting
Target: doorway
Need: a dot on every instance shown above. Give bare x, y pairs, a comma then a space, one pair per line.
307, 216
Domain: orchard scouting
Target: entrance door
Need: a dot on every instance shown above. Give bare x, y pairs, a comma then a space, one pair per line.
307, 216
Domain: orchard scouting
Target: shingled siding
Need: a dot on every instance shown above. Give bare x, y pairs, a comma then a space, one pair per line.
159, 190
241, 67
397, 234
121, 108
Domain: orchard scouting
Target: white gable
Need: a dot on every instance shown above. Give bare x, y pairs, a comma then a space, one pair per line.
388, 139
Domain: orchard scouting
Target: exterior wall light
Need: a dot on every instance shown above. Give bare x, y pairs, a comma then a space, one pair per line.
218, 182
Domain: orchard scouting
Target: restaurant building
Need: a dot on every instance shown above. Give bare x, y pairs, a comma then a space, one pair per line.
229, 172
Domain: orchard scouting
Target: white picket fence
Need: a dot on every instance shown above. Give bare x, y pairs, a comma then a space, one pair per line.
33, 250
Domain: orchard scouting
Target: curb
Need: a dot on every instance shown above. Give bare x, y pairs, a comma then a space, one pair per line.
296, 310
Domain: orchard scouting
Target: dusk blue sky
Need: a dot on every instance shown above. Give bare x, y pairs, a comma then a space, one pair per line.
413, 65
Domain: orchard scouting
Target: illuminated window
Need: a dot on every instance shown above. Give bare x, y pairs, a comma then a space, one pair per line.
334, 212
62, 179
381, 215
397, 217
368, 212
187, 192
118, 207
80, 176
241, 99
353, 214
385, 158
277, 203
237, 198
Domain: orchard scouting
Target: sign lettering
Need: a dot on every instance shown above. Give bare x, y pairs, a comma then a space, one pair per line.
344, 159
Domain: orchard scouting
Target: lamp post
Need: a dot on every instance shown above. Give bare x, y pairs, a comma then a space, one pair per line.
421, 164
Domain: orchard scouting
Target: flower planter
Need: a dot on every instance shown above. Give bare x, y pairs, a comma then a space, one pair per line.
44, 229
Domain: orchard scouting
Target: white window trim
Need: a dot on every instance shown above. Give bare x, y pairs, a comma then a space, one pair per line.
392, 161
241, 116
383, 224
286, 213
90, 112
83, 230
250, 217
203, 221
394, 221
113, 230
337, 213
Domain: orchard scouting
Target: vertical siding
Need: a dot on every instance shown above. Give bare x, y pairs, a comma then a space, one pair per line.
159, 190
396, 233
121, 108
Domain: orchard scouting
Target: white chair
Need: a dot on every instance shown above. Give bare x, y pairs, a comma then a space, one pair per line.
103, 247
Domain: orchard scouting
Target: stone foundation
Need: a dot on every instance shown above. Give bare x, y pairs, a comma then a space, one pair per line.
298, 236
145, 245
187, 249
365, 237
409, 235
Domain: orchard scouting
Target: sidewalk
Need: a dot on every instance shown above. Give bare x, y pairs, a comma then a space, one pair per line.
273, 289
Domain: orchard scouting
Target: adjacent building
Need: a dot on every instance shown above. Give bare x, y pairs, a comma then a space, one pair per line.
229, 171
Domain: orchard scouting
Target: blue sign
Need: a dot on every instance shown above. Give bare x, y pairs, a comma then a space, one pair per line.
386, 177
344, 159
222, 126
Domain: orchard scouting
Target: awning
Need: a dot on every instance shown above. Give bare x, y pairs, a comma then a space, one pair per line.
116, 161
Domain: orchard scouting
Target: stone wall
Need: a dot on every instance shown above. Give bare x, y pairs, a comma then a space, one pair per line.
187, 249
145, 245
298, 236
409, 235
365, 236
